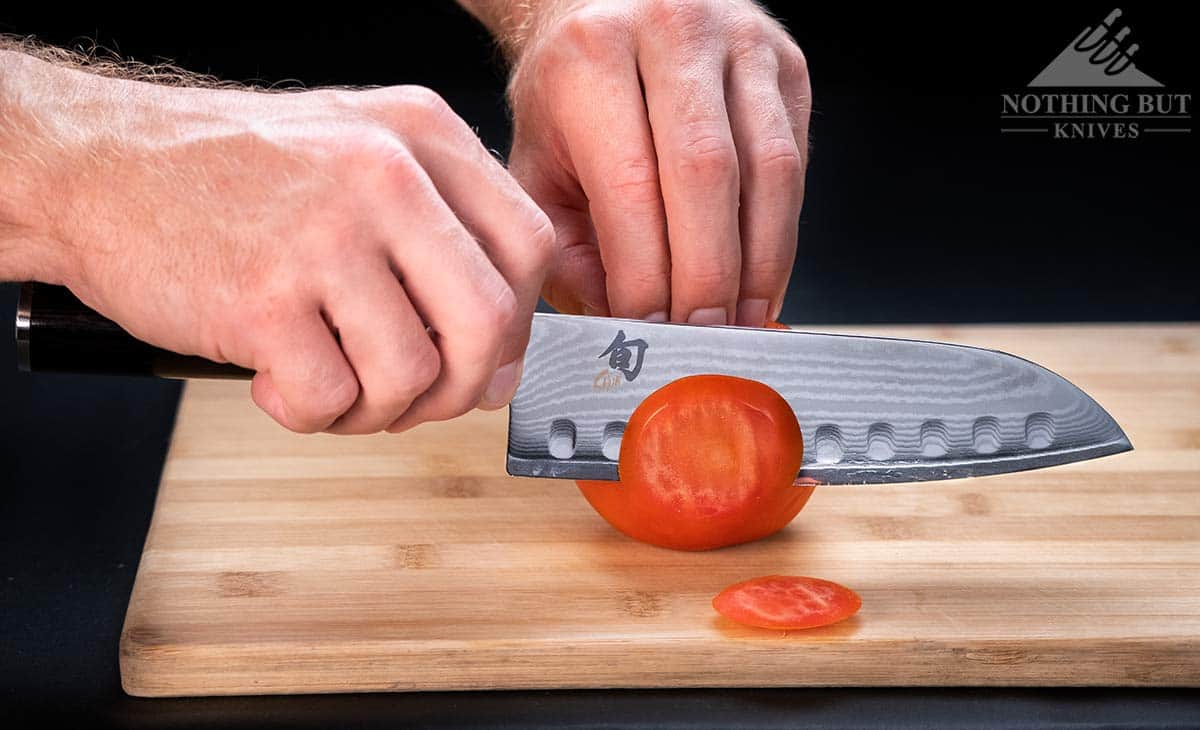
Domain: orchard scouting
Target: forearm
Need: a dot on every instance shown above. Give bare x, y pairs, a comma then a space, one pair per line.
63, 118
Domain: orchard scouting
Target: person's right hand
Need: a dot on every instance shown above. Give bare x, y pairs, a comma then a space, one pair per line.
361, 250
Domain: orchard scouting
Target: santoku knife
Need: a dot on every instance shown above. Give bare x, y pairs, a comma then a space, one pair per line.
873, 410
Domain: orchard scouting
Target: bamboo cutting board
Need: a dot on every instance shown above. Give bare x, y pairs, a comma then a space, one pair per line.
279, 563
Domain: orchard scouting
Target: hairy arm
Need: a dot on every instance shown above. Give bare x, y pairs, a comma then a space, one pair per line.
61, 111
30, 160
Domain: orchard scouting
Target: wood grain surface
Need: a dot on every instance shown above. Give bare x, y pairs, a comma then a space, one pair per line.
280, 563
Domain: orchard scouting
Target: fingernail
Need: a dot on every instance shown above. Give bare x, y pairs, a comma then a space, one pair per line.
503, 385
708, 315
752, 312
657, 317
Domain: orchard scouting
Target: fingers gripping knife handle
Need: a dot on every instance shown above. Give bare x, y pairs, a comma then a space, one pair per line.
58, 333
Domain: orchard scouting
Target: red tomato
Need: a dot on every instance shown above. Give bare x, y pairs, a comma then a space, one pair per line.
777, 326
706, 461
787, 602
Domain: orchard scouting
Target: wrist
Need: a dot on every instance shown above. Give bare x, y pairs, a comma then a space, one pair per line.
514, 23
68, 139
36, 162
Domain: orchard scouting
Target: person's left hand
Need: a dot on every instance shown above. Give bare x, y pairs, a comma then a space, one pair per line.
667, 141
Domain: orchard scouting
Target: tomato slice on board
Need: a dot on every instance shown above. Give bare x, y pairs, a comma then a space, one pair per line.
787, 602
706, 461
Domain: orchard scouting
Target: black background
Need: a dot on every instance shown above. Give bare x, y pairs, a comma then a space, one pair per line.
918, 210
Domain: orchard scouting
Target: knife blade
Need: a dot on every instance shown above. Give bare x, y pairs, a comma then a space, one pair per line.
872, 410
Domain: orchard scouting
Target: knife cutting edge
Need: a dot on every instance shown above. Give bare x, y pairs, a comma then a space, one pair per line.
872, 410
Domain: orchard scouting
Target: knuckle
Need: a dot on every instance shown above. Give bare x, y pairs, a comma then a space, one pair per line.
386, 173
642, 279
707, 160
634, 180
330, 397
367, 145
339, 394
460, 399
592, 33
342, 101
459, 405
572, 267
294, 421
541, 238
767, 267
748, 36
792, 61
679, 19
489, 308
637, 291
424, 367
450, 233
499, 313
713, 275
425, 108
300, 423
399, 171
778, 162
374, 160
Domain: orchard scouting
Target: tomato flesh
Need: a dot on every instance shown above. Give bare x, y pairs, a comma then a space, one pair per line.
787, 602
706, 461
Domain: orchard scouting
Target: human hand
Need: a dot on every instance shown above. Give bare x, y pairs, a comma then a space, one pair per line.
667, 141
313, 237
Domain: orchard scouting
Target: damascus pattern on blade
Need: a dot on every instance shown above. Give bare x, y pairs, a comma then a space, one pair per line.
872, 410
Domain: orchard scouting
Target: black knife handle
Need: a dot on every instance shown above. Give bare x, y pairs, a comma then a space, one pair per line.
58, 333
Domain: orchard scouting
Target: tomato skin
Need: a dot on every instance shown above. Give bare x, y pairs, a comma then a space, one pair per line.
706, 461
787, 602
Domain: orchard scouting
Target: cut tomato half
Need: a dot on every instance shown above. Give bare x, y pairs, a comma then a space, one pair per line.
706, 461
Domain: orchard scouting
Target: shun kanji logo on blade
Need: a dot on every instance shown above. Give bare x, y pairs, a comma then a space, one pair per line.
624, 357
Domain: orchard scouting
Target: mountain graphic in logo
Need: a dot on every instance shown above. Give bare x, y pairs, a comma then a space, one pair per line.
1098, 56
